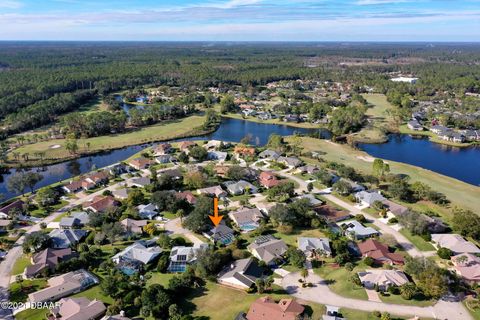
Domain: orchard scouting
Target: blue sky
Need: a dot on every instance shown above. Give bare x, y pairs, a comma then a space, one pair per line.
241, 20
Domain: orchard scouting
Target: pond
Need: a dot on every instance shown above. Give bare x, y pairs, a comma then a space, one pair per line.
460, 163
230, 130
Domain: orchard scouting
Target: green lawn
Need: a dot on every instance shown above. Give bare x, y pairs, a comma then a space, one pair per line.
307, 125
32, 314
291, 239
157, 132
397, 299
458, 192
159, 278
20, 264
219, 303
340, 281
474, 313
95, 293
19, 291
361, 315
417, 241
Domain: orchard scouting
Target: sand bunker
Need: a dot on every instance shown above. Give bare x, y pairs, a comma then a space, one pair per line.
55, 146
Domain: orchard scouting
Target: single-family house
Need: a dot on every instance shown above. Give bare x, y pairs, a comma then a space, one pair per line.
212, 144
75, 220
100, 203
353, 185
221, 233
185, 146
268, 179
140, 182
331, 214
216, 191
64, 285
162, 149
367, 198
219, 156
175, 174
135, 255
454, 242
382, 279
78, 309
246, 219
187, 196
291, 118
133, 226
73, 186
244, 151
439, 129
308, 169
181, 257
268, 249
121, 194
290, 161
269, 154
265, 207
314, 247
140, 163
47, 259
267, 309
240, 187
414, 125
395, 208
66, 238
165, 158
357, 231
379, 252
467, 266
147, 211
98, 178
15, 206
314, 202
240, 274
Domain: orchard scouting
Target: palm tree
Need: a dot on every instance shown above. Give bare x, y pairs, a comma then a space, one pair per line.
304, 274
180, 214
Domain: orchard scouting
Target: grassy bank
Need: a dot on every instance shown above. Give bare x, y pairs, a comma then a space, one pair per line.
459, 193
379, 122
163, 131
305, 125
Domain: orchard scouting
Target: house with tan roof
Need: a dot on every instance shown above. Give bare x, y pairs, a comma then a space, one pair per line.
216, 191
246, 219
331, 214
454, 242
383, 279
266, 308
140, 163
78, 309
379, 252
133, 226
64, 285
47, 259
467, 266
162, 149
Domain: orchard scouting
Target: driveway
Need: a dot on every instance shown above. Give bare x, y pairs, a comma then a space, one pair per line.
174, 227
321, 293
373, 295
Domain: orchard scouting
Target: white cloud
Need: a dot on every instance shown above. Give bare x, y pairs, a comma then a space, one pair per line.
10, 4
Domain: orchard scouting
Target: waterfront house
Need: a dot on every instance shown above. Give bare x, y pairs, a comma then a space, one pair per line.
240, 274
165, 158
162, 149
414, 125
290, 161
72, 186
269, 154
185, 146
140, 163
244, 151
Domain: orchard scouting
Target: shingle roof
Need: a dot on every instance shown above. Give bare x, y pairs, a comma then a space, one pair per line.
454, 242
66, 238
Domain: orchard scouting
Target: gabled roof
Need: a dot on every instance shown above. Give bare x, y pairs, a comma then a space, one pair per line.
79, 309
246, 271
141, 181
269, 250
468, 266
138, 252
246, 215
18, 204
48, 258
64, 238
384, 277
358, 229
379, 252
369, 197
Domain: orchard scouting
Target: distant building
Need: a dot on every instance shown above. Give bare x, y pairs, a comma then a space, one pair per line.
405, 79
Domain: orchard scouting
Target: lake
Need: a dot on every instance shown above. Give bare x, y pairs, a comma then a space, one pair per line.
460, 163
230, 130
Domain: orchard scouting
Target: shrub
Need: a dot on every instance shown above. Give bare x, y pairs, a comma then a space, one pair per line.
369, 261
426, 236
445, 253
285, 229
376, 314
360, 218
349, 266
393, 220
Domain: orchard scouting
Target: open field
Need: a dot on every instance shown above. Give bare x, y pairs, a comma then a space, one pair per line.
234, 301
161, 131
461, 194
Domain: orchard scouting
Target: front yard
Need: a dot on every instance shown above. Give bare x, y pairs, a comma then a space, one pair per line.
417, 241
338, 280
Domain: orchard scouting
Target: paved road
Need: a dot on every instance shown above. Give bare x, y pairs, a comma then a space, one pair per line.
322, 294
174, 227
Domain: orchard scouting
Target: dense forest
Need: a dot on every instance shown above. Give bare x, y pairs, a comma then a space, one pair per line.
39, 81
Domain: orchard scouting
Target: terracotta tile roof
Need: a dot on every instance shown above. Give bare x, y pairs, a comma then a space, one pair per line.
379, 252
267, 309
268, 179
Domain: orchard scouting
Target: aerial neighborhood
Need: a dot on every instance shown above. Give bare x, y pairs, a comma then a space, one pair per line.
113, 241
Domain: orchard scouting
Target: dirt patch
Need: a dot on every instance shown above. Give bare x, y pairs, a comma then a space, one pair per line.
366, 158
55, 146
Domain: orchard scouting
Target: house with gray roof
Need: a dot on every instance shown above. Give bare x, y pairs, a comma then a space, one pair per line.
355, 230
147, 211
66, 238
367, 198
121, 194
308, 169
140, 182
240, 274
313, 247
355, 186
220, 233
269, 154
246, 219
240, 187
75, 220
290, 161
311, 198
219, 156
269, 250
181, 257
78, 309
